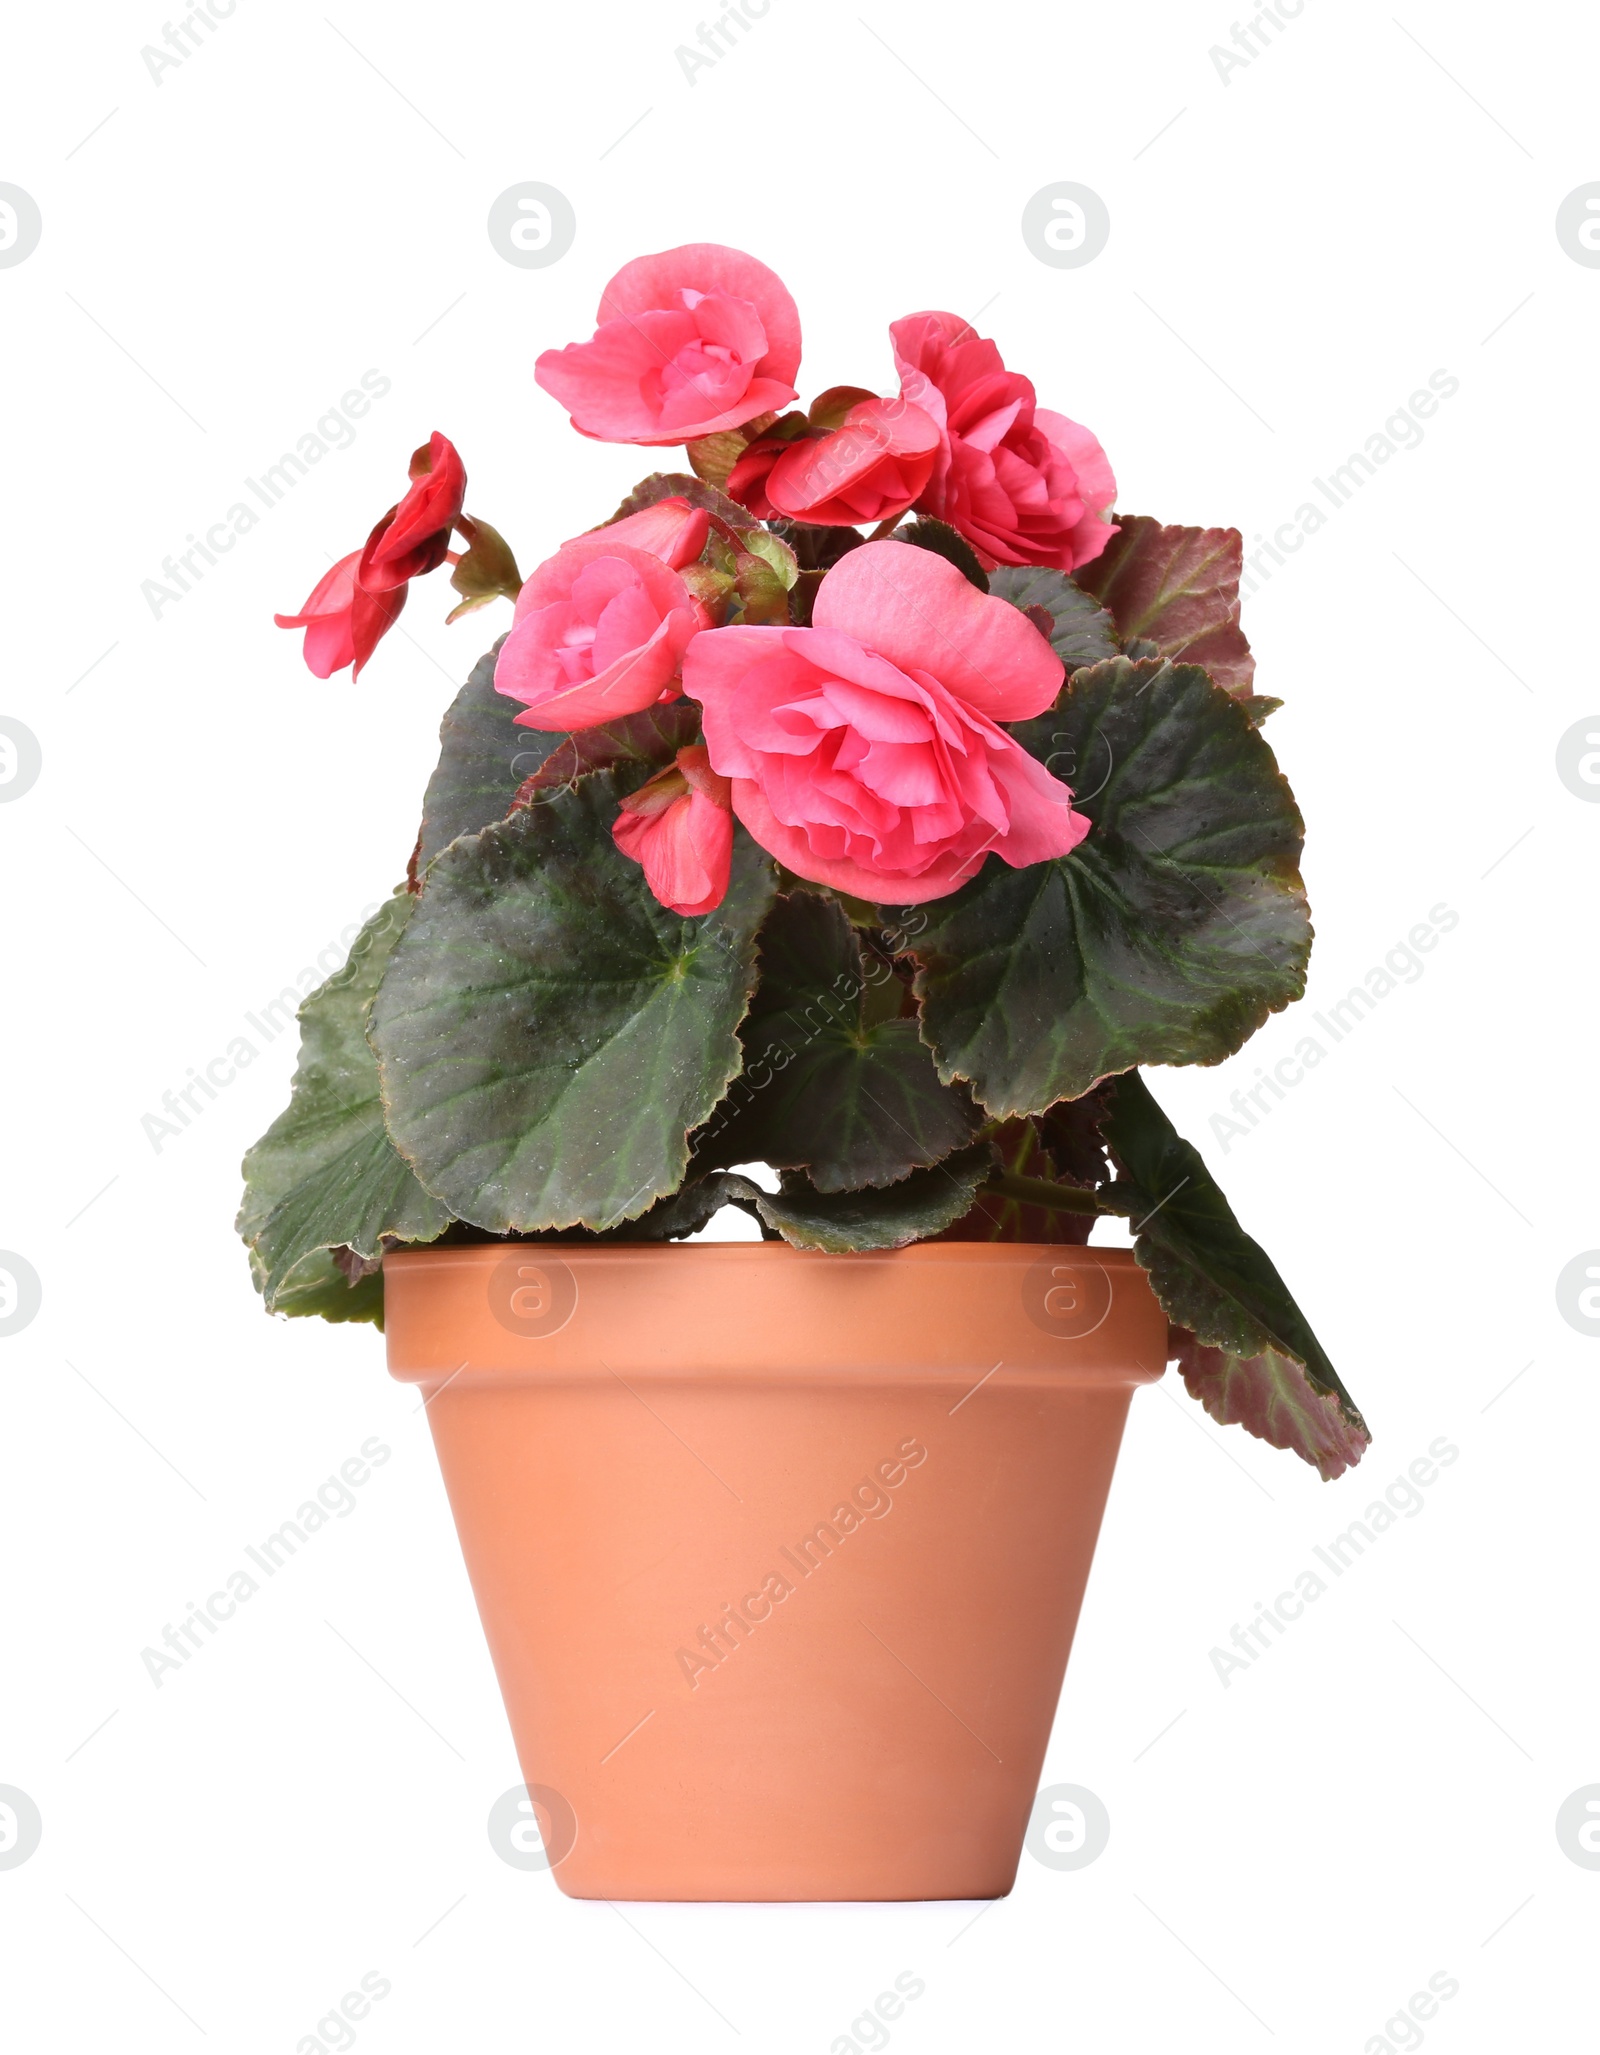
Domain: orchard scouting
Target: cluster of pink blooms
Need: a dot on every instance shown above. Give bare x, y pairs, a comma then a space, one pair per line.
863, 751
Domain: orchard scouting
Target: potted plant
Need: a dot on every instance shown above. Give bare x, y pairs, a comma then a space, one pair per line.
869, 801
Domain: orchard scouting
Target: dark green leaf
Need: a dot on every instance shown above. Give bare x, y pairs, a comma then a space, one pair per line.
815, 547
927, 533
483, 758
1167, 936
325, 1174
1014, 1214
1071, 1133
547, 1033
1082, 631
827, 1084
683, 1212
1178, 588
843, 1222
1249, 1352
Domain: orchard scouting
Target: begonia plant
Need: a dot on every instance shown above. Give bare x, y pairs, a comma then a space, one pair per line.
871, 799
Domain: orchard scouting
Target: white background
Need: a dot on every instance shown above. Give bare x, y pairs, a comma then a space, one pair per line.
1370, 200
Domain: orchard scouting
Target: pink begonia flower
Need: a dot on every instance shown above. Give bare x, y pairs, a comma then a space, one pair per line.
344, 623
690, 341
413, 537
871, 468
680, 828
864, 750
1023, 485
359, 600
671, 530
600, 631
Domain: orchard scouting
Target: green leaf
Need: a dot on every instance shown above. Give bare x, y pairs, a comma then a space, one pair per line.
1247, 1350
1082, 632
1168, 935
927, 533
920, 1205
681, 1213
829, 1084
486, 570
317, 1286
763, 596
775, 553
816, 547
1178, 588
843, 1223
1013, 1207
483, 758
547, 1033
325, 1174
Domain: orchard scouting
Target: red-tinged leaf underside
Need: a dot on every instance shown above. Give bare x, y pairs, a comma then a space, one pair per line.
641, 742
1178, 588
1270, 1396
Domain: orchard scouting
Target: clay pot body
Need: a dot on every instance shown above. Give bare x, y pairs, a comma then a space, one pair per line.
779, 1555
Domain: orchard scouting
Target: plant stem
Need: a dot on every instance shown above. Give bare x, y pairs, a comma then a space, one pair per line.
1038, 1191
885, 529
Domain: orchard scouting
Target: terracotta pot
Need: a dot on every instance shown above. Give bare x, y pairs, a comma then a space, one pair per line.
779, 1555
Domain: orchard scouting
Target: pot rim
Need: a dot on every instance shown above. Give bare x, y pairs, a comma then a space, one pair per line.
751, 1314
590, 1252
